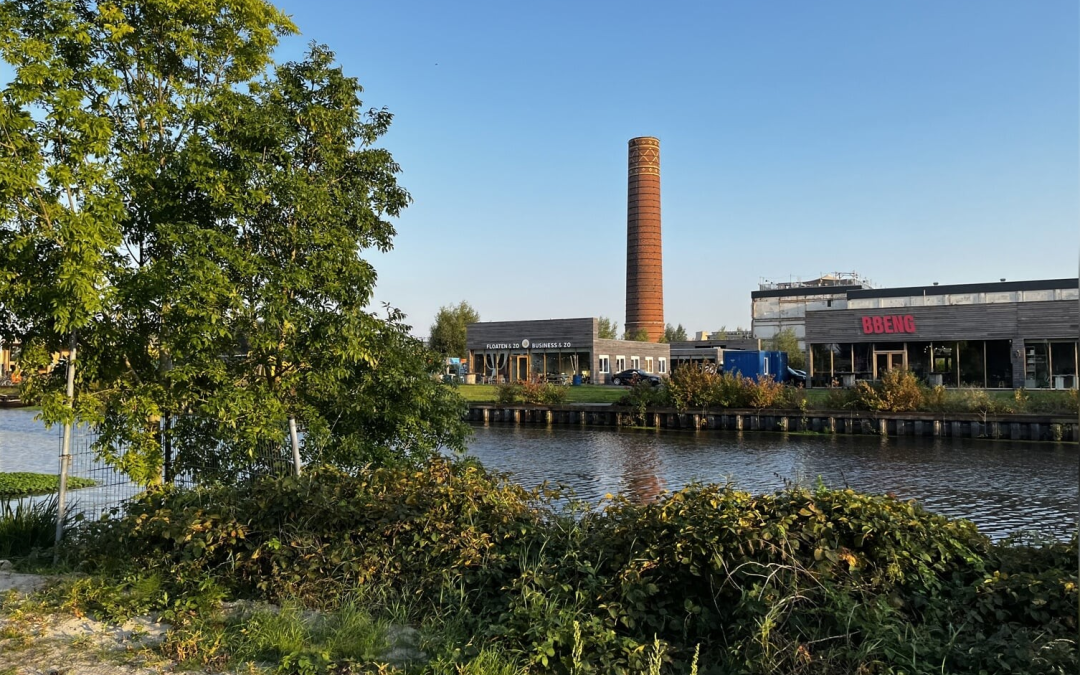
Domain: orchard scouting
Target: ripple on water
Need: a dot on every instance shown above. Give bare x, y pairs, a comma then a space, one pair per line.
1002, 487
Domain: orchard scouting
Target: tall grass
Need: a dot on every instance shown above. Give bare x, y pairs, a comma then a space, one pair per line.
28, 526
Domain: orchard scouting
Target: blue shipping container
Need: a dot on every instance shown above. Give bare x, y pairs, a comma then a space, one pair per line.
756, 364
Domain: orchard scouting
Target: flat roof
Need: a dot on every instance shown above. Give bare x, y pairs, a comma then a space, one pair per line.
951, 289
839, 289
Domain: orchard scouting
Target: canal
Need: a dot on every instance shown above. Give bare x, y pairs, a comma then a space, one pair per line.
1001, 486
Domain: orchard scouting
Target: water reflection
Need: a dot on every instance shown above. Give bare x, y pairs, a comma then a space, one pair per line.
1001, 486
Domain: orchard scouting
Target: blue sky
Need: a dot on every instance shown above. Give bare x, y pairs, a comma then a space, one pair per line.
911, 141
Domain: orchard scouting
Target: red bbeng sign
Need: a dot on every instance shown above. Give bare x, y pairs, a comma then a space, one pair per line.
900, 323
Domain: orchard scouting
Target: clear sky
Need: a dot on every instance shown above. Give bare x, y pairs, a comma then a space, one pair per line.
912, 142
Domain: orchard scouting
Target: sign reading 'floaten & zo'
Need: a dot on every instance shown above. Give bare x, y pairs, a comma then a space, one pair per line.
529, 344
894, 323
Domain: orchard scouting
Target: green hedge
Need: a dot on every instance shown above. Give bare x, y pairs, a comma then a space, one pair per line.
22, 484
799, 581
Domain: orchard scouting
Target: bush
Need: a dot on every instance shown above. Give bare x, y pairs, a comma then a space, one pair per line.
530, 392
21, 484
896, 391
801, 581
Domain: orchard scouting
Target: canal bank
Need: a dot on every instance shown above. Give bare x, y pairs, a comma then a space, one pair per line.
1013, 427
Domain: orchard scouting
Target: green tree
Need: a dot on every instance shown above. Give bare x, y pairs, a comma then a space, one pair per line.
674, 334
214, 247
640, 335
786, 341
607, 329
448, 331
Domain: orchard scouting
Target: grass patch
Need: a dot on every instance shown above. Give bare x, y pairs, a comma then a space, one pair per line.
586, 393
23, 484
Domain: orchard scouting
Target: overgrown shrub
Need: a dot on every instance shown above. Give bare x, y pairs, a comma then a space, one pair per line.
23, 484
897, 391
799, 581
536, 393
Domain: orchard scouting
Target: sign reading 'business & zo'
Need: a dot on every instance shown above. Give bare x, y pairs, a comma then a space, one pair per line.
525, 343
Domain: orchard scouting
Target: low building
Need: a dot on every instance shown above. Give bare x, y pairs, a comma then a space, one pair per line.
556, 350
711, 351
1006, 334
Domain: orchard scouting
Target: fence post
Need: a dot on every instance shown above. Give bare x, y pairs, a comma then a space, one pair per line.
295, 445
65, 449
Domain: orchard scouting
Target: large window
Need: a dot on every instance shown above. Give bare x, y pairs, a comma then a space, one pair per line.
635, 362
945, 363
1037, 365
620, 364
1063, 365
821, 358
972, 360
999, 370
648, 364
919, 357
661, 365
605, 364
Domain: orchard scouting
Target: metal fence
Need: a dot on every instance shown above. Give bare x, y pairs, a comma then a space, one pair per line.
111, 488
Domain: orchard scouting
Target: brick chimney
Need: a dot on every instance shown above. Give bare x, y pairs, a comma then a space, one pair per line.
644, 257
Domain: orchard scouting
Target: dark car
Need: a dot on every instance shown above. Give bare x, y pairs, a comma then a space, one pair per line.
797, 377
633, 376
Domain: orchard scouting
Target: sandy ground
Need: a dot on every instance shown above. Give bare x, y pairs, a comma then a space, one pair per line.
36, 643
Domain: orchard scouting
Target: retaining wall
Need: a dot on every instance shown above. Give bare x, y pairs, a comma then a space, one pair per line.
947, 425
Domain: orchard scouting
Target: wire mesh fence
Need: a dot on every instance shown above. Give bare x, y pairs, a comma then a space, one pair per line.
104, 490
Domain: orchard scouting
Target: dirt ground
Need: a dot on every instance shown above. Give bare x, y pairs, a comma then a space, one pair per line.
34, 643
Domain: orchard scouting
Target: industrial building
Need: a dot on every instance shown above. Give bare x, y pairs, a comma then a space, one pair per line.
1005, 334
775, 307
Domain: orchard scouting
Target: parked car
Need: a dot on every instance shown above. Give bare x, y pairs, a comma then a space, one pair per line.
797, 377
633, 376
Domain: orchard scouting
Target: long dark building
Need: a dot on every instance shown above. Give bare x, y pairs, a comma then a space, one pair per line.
1006, 334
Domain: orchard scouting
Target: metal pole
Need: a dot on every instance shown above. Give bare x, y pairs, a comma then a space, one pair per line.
65, 448
295, 445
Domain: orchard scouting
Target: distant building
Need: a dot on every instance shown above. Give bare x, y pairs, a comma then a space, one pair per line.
1005, 334
779, 306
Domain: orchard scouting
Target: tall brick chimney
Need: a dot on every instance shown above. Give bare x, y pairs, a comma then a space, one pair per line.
644, 257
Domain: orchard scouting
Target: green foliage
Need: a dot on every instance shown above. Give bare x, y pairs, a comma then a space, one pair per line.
536, 393
786, 341
696, 387
897, 391
448, 331
197, 217
640, 335
674, 334
817, 582
607, 329
21, 484
28, 527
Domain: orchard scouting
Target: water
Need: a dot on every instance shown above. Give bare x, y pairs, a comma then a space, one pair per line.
1000, 486
26, 445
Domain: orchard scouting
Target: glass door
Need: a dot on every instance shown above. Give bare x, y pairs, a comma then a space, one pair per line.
886, 361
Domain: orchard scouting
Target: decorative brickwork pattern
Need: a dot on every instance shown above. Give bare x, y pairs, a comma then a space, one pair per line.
644, 254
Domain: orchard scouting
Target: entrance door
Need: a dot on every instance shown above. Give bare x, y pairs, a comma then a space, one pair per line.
523, 368
885, 361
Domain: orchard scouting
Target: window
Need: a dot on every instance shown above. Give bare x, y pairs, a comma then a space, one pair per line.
635, 362
620, 364
648, 364
661, 365
605, 366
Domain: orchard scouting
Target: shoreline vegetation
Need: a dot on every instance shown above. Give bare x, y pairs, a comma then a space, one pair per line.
14, 485
695, 389
329, 568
